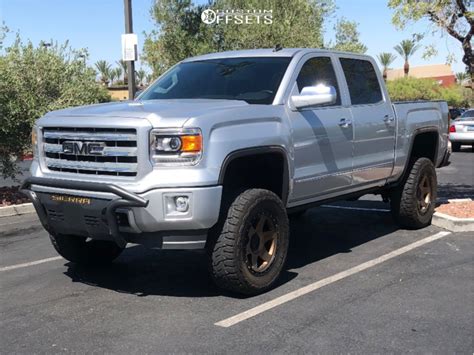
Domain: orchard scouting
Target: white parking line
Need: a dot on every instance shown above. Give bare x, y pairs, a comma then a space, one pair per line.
31, 263
356, 208
329, 280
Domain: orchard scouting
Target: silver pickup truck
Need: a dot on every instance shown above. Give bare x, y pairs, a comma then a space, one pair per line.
222, 148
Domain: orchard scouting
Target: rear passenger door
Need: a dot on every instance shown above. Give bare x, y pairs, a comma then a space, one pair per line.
373, 120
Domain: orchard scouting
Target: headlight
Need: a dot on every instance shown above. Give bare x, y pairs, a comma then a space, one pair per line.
176, 146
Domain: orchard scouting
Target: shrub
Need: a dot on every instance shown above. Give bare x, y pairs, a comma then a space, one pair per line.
33, 81
410, 89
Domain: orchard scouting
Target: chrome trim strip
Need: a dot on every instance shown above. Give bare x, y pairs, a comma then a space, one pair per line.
95, 166
345, 172
90, 136
108, 151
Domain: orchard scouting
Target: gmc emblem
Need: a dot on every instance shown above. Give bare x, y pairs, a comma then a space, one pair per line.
83, 148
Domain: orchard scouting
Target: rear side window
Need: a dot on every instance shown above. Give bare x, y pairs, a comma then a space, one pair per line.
362, 80
316, 71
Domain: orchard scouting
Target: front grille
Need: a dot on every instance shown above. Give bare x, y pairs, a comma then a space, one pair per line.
118, 157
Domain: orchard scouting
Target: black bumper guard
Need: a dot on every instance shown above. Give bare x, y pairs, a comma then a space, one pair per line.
126, 199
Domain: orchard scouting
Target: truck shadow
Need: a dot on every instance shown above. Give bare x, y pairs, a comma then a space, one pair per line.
319, 234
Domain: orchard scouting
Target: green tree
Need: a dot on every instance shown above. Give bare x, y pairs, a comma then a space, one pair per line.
104, 70
33, 81
3, 33
180, 33
112, 75
347, 37
406, 49
462, 77
141, 75
409, 89
449, 16
124, 69
386, 59
118, 72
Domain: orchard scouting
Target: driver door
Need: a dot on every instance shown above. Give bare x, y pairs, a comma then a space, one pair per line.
322, 136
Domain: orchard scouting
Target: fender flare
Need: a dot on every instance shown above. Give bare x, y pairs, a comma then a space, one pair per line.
258, 151
415, 134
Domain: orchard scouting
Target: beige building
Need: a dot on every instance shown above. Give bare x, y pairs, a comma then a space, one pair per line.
440, 72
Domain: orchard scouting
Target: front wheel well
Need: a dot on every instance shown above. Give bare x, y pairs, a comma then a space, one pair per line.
260, 168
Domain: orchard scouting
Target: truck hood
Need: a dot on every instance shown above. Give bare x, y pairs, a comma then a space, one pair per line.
160, 113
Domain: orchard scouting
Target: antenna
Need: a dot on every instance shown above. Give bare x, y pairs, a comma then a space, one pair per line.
277, 48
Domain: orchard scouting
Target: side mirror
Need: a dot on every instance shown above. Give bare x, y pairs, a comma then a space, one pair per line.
314, 95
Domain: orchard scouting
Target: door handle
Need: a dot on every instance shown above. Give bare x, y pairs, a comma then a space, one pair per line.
344, 123
388, 119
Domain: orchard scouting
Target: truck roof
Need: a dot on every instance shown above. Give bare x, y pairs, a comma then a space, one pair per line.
267, 52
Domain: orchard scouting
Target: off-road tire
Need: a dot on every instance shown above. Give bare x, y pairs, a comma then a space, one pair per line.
405, 200
230, 264
456, 147
80, 251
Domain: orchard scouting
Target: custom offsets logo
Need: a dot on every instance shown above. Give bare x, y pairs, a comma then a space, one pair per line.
238, 17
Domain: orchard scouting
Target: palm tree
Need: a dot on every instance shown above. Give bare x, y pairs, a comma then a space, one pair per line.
118, 72
461, 77
406, 49
386, 59
112, 76
141, 74
123, 66
104, 69
149, 78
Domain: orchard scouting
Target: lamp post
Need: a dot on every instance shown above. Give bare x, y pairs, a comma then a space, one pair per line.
130, 63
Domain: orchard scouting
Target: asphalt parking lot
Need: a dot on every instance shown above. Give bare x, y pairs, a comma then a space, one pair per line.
354, 283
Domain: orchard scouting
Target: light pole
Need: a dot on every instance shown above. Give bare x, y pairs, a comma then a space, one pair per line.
130, 63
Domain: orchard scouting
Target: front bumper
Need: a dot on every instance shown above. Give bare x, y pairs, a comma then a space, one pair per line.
118, 214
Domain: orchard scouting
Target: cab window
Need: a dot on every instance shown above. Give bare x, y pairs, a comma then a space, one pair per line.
364, 87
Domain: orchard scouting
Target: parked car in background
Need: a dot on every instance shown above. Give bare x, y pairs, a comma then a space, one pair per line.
461, 131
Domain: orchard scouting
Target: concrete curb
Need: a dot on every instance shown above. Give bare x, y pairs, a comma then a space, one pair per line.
453, 224
16, 210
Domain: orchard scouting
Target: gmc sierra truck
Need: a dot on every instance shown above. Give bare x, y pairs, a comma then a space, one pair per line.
222, 148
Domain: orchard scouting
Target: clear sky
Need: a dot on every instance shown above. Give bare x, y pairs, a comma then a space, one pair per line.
98, 24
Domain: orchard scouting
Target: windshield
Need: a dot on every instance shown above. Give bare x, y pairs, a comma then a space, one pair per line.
254, 80
467, 116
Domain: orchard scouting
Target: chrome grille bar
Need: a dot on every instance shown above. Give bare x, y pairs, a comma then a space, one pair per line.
107, 151
89, 136
118, 156
87, 165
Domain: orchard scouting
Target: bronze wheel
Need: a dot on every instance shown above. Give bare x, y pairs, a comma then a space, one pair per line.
423, 194
261, 245
250, 251
413, 201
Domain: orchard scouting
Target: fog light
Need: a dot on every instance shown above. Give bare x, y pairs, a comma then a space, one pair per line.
182, 203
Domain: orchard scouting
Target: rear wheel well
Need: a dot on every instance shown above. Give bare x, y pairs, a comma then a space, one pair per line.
255, 169
425, 145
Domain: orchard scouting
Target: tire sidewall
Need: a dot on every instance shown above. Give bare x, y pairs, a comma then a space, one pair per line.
270, 207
